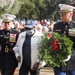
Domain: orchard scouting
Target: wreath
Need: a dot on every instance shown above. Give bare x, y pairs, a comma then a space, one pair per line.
54, 49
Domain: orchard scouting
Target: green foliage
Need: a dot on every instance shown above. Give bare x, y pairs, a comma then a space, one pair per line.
55, 58
31, 8
41, 9
38, 9
52, 8
1, 10
14, 9
27, 9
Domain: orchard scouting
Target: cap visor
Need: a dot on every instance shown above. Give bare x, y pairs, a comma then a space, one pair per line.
28, 26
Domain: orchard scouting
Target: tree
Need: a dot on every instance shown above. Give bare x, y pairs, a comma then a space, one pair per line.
37, 9
32, 8
41, 9
52, 9
8, 3
10, 6
26, 9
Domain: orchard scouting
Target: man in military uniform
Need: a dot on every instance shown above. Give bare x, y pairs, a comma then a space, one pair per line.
66, 26
8, 38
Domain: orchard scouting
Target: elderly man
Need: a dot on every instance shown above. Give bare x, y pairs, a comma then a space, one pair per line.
8, 38
66, 26
26, 49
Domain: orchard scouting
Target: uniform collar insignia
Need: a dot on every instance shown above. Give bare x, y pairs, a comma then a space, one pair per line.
67, 22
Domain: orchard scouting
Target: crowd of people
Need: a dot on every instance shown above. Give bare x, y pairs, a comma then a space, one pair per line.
42, 26
21, 38
19, 42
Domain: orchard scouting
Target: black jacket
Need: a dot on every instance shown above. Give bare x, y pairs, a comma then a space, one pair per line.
8, 40
65, 28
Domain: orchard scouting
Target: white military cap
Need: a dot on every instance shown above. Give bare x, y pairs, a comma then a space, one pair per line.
8, 17
66, 8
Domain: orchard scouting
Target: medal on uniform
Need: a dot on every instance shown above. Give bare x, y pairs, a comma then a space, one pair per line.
6, 49
58, 30
5, 37
11, 44
72, 32
12, 38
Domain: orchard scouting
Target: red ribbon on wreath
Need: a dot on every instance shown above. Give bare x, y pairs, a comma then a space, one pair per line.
48, 35
54, 45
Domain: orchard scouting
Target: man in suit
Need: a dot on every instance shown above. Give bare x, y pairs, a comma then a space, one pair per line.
26, 49
8, 38
66, 26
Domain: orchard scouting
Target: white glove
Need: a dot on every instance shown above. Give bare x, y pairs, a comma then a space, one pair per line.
42, 64
68, 58
15, 49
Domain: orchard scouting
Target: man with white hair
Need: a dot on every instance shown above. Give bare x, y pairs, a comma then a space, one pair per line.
39, 28
66, 26
45, 29
17, 26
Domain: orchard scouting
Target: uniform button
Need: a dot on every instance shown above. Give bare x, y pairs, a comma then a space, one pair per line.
7, 37
7, 33
6, 42
12, 44
66, 26
64, 31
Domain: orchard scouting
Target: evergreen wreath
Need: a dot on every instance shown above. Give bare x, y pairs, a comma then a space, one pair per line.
54, 49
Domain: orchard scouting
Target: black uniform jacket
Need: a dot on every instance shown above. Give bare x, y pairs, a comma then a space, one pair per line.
8, 40
69, 30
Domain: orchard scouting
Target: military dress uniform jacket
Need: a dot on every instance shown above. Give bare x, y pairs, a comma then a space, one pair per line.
8, 39
69, 30
35, 39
